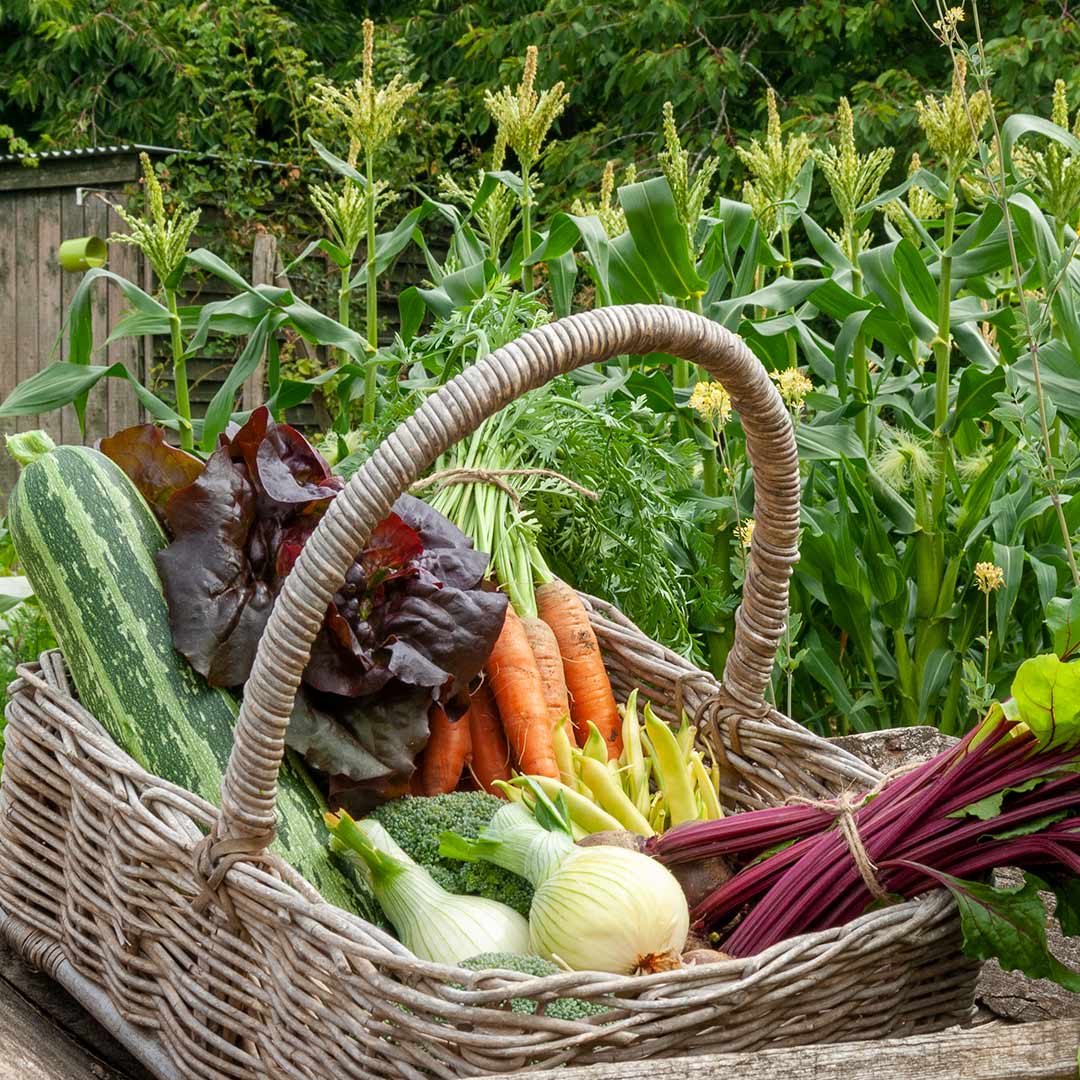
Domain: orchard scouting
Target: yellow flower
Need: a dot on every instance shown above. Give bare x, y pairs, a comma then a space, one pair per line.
988, 577
946, 25
745, 531
711, 400
793, 386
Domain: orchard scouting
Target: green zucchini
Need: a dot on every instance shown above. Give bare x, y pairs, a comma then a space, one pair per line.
86, 540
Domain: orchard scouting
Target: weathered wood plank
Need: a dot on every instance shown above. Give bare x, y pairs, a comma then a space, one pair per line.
26, 310
264, 266
993, 1052
61, 1016
50, 315
32, 1048
124, 260
9, 371
71, 172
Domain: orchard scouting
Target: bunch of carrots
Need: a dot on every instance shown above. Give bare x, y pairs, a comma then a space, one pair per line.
542, 670
546, 664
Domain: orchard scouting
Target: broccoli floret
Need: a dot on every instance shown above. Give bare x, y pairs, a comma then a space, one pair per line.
416, 823
560, 1008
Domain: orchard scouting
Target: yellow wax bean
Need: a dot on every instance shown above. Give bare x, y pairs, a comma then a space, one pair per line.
637, 778
658, 812
670, 760
564, 757
686, 735
710, 800
612, 797
595, 747
583, 811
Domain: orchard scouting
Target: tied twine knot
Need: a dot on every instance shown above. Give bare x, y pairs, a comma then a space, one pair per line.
496, 477
843, 809
212, 859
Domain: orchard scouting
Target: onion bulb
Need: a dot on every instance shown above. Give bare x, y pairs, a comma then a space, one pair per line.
610, 909
595, 908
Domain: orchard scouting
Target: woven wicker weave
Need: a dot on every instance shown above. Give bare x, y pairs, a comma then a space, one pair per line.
100, 861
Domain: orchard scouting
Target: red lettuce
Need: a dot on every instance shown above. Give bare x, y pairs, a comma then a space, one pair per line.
412, 623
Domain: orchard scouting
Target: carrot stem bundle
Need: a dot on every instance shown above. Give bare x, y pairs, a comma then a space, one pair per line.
490, 753
519, 694
587, 682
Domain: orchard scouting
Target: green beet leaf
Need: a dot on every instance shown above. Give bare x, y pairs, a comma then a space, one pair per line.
1047, 693
1063, 621
1008, 925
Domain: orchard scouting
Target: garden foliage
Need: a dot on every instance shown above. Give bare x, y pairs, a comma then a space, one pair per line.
920, 314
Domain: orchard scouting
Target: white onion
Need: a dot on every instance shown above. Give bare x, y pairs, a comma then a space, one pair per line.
609, 909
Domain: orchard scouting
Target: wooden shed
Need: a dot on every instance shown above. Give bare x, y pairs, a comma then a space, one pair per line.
70, 194
39, 208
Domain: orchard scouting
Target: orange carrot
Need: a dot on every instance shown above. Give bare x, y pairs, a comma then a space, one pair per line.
490, 754
519, 693
586, 679
448, 749
548, 659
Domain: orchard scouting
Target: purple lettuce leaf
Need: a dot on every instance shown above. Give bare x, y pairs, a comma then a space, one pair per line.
413, 608
369, 742
214, 572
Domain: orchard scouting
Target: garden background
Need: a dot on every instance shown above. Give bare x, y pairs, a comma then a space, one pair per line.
828, 179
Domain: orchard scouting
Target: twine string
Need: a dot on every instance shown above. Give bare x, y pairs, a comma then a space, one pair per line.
496, 477
843, 809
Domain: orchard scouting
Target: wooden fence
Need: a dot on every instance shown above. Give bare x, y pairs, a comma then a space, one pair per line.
38, 209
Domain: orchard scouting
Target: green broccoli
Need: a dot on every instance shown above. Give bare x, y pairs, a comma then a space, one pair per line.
560, 1008
416, 823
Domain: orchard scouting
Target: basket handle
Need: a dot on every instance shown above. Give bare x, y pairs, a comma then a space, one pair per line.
247, 819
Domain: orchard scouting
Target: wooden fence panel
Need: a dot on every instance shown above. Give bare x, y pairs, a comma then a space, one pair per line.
9, 374
124, 409
50, 315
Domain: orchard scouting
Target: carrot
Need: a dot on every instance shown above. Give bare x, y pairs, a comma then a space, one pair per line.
591, 698
448, 749
490, 754
519, 693
549, 660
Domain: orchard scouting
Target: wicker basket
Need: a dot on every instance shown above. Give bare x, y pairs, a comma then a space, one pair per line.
100, 861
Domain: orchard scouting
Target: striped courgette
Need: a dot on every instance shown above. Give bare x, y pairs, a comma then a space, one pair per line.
86, 540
